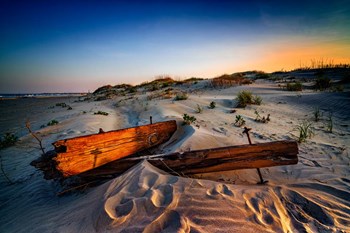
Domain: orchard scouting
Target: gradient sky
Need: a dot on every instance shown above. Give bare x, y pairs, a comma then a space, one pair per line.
77, 46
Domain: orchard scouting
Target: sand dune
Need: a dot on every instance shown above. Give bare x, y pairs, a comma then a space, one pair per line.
312, 196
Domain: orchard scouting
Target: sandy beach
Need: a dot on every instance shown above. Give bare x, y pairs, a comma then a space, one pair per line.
312, 196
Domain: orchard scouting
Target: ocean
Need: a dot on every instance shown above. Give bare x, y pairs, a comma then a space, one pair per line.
38, 95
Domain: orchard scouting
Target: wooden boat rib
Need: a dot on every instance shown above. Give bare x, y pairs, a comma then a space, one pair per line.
80, 154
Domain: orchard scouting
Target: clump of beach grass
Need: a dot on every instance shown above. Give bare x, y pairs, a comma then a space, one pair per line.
329, 124
8, 140
239, 121
199, 109
101, 113
52, 122
212, 105
188, 119
245, 98
317, 114
181, 96
294, 86
305, 131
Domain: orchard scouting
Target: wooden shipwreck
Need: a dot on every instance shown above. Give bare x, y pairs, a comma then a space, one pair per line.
210, 160
76, 155
108, 154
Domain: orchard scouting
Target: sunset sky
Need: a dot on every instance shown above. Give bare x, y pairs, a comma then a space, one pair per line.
77, 46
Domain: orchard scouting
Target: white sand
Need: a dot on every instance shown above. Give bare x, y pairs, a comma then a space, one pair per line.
312, 196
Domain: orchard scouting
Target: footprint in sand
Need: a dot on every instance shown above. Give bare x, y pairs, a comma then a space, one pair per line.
169, 221
262, 214
162, 196
219, 189
124, 209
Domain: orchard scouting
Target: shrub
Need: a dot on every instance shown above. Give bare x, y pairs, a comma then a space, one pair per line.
63, 105
188, 119
257, 100
322, 83
245, 98
181, 96
212, 105
239, 121
305, 131
101, 113
52, 122
9, 139
229, 80
261, 75
296, 86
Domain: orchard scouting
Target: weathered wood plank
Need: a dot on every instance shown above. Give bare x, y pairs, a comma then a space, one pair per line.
76, 155
211, 160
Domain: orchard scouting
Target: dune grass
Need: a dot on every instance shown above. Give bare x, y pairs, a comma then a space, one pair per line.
245, 98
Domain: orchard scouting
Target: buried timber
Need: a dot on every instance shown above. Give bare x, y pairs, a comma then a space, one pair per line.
112, 153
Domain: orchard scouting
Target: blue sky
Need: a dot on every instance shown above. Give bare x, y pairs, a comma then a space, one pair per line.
76, 46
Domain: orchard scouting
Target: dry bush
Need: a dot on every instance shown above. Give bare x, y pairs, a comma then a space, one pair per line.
296, 86
227, 80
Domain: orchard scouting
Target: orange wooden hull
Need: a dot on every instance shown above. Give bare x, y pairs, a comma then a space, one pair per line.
80, 154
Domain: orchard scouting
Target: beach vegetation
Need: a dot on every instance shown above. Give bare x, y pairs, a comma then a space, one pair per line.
245, 98
229, 80
329, 123
199, 109
322, 83
166, 94
63, 105
262, 119
305, 131
262, 75
193, 80
321, 64
101, 113
257, 100
239, 121
317, 114
34, 135
181, 96
188, 119
8, 140
294, 86
212, 105
52, 122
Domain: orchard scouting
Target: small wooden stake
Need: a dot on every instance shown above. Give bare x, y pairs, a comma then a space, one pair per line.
150, 119
246, 131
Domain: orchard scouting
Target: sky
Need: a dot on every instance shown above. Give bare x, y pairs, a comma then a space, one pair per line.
78, 46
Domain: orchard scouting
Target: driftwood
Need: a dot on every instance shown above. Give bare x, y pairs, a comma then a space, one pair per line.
210, 160
80, 154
